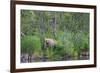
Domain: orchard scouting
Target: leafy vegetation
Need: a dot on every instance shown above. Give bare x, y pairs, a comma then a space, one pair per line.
68, 33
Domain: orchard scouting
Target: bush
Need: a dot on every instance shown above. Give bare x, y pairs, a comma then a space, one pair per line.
80, 41
30, 44
55, 53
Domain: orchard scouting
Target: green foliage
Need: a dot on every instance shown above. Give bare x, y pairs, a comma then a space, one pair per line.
55, 53
30, 44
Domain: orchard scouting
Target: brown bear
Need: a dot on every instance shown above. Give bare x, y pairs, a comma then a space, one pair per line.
49, 42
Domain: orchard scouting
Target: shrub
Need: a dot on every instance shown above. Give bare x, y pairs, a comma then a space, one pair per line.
30, 44
80, 41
